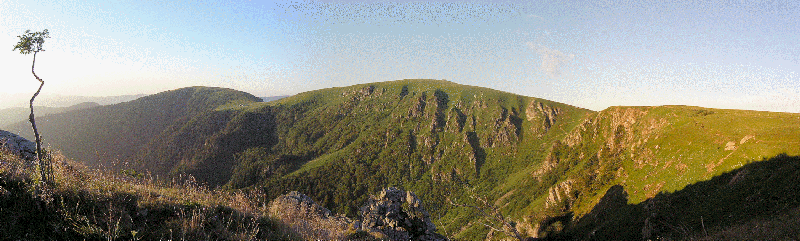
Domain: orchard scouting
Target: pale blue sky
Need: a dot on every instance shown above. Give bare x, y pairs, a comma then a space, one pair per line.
721, 54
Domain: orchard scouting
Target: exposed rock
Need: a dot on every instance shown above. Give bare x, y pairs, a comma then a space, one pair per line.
560, 192
418, 110
544, 116
730, 146
399, 215
744, 139
312, 221
550, 162
574, 137
361, 94
18, 145
393, 214
505, 131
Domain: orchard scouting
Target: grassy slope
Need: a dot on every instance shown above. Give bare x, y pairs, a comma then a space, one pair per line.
412, 133
697, 144
752, 202
438, 139
652, 150
484, 136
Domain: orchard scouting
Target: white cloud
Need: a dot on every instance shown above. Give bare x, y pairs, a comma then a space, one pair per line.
552, 60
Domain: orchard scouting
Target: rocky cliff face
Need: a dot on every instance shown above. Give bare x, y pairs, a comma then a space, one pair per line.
543, 115
18, 145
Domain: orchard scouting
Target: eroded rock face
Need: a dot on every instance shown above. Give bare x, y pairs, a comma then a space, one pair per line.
18, 145
399, 215
544, 116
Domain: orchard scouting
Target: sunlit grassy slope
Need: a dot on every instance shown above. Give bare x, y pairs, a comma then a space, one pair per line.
536, 158
686, 144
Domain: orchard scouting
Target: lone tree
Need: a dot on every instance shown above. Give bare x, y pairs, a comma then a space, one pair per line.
32, 43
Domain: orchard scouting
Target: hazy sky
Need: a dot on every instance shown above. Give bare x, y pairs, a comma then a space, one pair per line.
592, 54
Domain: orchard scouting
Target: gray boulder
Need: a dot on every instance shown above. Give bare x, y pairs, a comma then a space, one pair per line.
399, 215
18, 145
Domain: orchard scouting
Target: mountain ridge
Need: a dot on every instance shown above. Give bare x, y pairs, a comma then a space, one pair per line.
536, 160
115, 132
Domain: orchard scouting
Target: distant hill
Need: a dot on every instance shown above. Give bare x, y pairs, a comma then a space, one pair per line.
545, 165
18, 114
273, 98
117, 132
50, 100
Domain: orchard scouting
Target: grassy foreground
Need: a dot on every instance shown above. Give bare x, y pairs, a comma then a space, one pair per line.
88, 204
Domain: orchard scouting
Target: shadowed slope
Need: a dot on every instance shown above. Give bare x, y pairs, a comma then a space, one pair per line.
757, 201
14, 115
116, 132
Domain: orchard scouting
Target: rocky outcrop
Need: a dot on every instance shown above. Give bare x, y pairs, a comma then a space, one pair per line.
399, 215
393, 214
310, 220
561, 192
17, 145
544, 116
356, 95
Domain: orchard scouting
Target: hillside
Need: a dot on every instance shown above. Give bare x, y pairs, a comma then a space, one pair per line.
652, 151
115, 133
547, 166
538, 160
85, 204
20, 114
427, 124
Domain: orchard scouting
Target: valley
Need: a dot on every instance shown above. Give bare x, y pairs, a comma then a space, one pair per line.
552, 169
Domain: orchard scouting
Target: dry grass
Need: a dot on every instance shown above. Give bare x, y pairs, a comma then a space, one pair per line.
310, 220
100, 205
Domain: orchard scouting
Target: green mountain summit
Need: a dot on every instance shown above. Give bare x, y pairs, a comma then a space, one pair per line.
545, 165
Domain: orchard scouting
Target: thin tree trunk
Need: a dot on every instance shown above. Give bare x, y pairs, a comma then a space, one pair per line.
44, 167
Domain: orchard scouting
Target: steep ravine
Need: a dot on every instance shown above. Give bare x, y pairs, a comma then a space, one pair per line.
545, 165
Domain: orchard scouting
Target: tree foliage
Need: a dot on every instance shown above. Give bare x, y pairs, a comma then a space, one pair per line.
31, 42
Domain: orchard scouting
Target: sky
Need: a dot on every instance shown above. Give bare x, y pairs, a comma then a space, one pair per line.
590, 54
